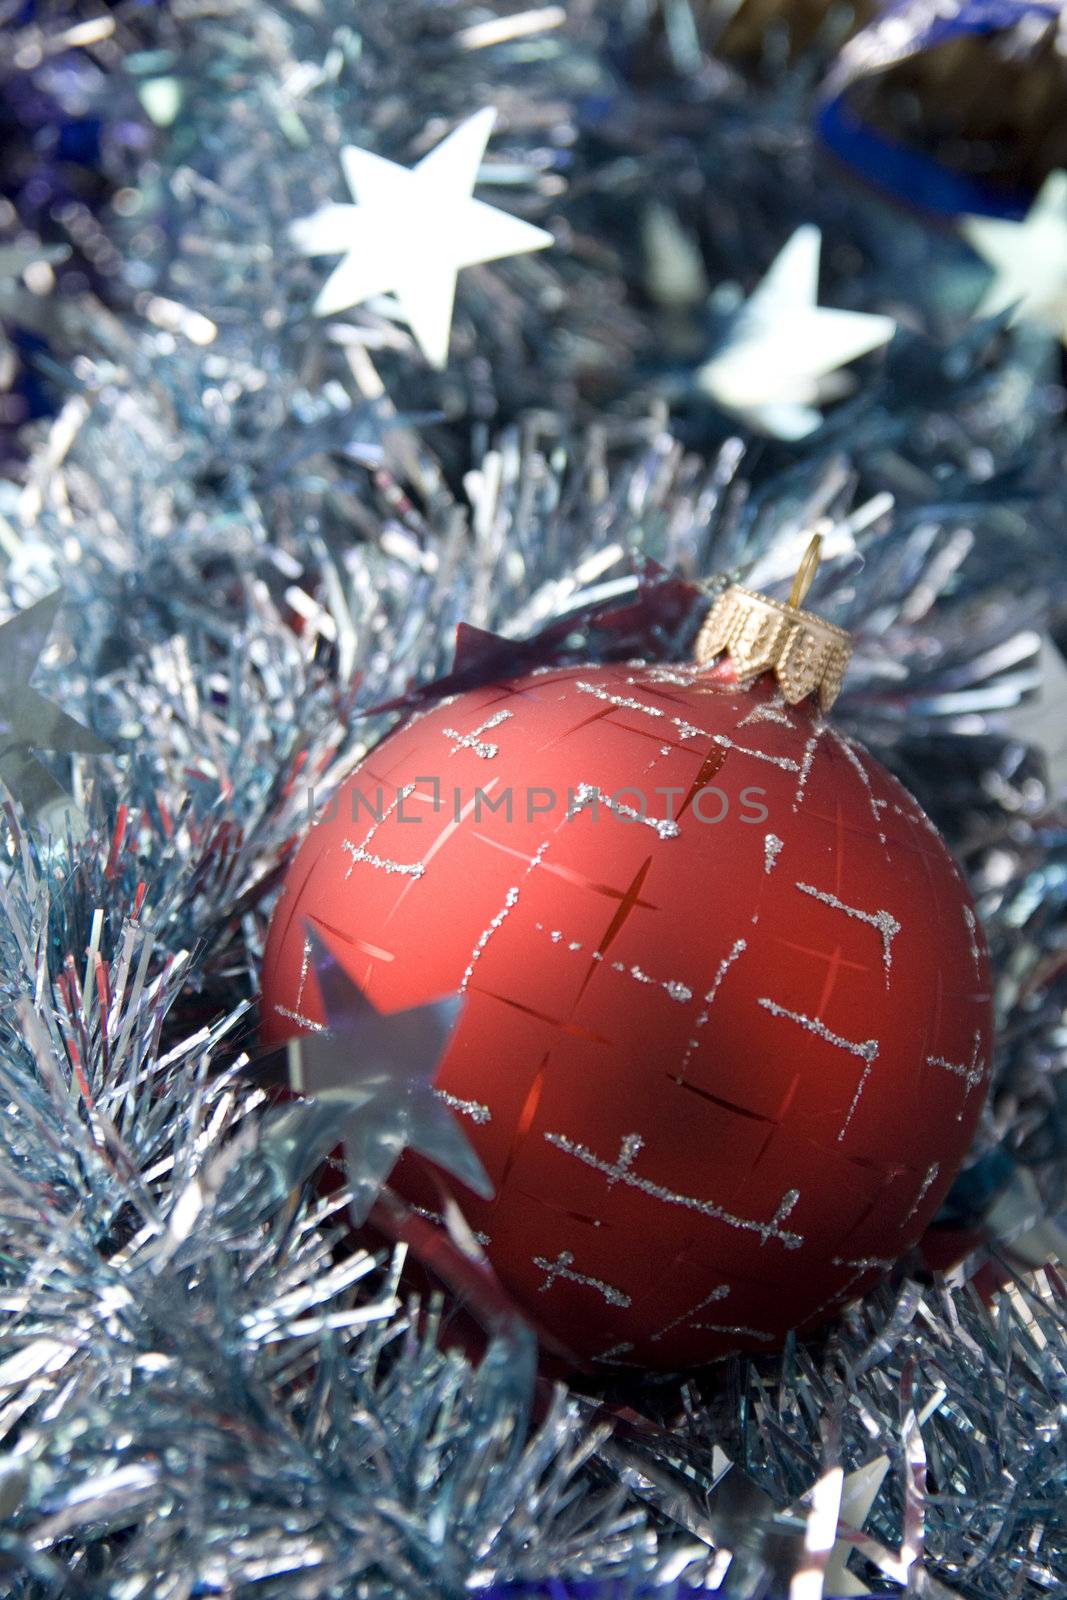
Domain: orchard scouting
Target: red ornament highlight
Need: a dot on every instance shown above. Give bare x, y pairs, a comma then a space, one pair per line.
728, 1020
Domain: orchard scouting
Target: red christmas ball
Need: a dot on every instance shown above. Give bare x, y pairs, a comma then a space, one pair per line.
727, 1020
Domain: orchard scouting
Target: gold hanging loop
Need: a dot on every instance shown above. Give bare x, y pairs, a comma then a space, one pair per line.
809, 566
807, 654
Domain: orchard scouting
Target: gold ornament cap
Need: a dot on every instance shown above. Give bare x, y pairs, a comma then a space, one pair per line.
807, 654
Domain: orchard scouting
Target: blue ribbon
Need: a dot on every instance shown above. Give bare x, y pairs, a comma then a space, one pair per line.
909, 174
618, 1589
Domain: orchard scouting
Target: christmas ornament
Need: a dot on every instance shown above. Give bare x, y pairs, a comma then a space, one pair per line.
779, 359
412, 231
1028, 258
727, 1019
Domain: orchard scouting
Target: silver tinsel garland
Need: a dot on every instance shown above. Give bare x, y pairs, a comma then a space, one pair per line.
266, 527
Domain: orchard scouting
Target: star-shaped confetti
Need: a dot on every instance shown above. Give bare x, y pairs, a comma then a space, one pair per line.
370, 1077
781, 356
1028, 258
28, 721
411, 231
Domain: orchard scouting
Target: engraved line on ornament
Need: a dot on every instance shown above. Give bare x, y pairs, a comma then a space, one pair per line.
588, 794
700, 682
886, 924
681, 680
510, 901
359, 852
786, 763
877, 806
673, 987
924, 1189
680, 992
739, 1328
720, 1292
805, 764
484, 749
687, 730
305, 968
918, 818
438, 1218
624, 702
629, 1150
739, 947
772, 848
709, 999
866, 1049
294, 1013
972, 1074
300, 1019
864, 1075
683, 676
467, 1108
619, 1172
972, 933
612, 1353
768, 711
563, 1267
837, 1297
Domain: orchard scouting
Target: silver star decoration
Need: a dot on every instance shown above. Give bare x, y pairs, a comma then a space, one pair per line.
808, 1542
858, 1491
782, 355
28, 721
411, 231
370, 1077
1028, 258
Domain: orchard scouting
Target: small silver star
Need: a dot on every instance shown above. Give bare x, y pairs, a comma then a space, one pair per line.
809, 1542
371, 1078
412, 231
1028, 258
28, 721
776, 364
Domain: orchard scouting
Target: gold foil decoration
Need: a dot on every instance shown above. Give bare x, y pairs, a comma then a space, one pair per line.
807, 654
990, 106
756, 34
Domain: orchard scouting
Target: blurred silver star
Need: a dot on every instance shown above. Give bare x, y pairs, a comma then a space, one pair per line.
28, 721
15, 258
412, 231
781, 356
1028, 258
370, 1078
